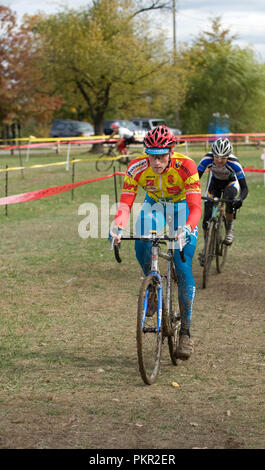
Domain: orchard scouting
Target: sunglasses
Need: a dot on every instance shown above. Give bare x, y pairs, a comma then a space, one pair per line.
158, 157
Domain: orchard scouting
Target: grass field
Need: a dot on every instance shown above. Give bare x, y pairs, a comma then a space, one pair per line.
69, 374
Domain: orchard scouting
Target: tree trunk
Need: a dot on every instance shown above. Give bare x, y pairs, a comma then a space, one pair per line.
99, 130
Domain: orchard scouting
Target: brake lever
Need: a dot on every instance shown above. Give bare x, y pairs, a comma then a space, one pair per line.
117, 253
181, 251
116, 250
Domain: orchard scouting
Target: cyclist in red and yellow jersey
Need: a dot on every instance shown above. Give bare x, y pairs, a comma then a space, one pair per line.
173, 196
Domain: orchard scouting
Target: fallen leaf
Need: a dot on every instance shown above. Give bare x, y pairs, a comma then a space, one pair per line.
175, 384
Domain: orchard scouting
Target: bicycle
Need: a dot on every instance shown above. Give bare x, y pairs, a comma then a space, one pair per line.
215, 246
105, 161
158, 314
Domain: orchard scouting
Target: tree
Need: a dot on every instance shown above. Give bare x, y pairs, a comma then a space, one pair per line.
222, 78
23, 93
7, 25
105, 53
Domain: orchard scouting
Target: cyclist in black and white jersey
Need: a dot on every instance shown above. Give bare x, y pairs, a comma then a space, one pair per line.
227, 175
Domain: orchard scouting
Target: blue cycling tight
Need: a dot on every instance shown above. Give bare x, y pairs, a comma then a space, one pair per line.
157, 220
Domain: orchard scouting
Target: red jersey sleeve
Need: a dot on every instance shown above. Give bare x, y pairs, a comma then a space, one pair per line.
128, 195
192, 185
195, 212
129, 190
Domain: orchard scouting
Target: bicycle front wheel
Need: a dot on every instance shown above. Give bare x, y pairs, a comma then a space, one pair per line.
221, 247
102, 164
149, 339
209, 254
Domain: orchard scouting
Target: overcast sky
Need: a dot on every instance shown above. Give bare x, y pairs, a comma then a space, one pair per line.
245, 18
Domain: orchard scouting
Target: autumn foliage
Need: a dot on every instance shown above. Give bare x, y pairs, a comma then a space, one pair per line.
24, 93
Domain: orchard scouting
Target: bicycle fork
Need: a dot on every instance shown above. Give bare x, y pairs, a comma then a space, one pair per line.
174, 315
216, 220
154, 272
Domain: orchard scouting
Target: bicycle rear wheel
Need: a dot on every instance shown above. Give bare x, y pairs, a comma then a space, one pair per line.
102, 164
209, 254
173, 316
149, 339
221, 247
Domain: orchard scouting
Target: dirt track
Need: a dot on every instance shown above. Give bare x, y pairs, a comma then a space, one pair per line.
79, 386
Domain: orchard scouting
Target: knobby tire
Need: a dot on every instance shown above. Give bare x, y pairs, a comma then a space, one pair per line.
221, 247
149, 344
104, 165
209, 254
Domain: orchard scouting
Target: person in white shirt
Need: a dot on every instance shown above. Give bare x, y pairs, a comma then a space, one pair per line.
126, 137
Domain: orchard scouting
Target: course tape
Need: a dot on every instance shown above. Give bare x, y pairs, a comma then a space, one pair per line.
32, 138
36, 142
30, 196
255, 170
33, 143
24, 197
77, 160
103, 136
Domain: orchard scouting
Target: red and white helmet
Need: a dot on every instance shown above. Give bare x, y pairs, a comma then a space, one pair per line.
159, 140
115, 125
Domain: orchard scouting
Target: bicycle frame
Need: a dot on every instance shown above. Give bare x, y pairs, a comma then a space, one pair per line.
170, 262
216, 206
215, 246
154, 272
157, 307
156, 253
217, 210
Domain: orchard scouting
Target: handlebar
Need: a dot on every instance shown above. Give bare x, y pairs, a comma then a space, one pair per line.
151, 237
215, 199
